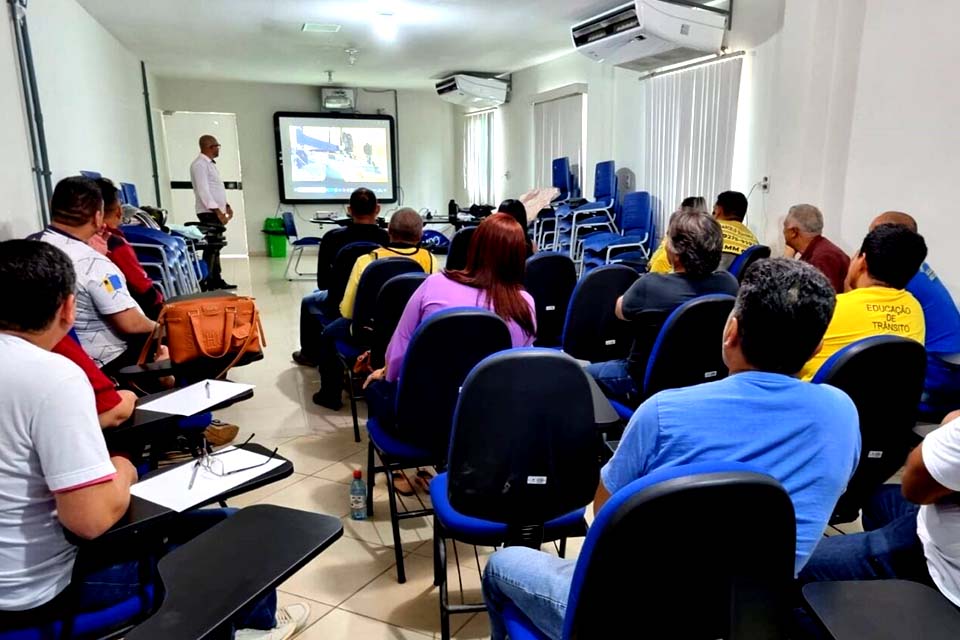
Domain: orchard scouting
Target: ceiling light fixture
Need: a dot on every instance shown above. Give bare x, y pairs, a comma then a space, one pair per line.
317, 27
385, 26
351, 55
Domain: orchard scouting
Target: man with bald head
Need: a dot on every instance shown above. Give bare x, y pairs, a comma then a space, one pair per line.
211, 204
803, 232
942, 388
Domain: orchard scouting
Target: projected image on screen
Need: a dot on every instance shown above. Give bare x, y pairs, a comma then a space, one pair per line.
324, 159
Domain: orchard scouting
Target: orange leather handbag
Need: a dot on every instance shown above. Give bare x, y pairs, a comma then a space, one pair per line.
213, 327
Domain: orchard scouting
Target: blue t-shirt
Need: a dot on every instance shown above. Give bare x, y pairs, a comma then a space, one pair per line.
805, 435
940, 312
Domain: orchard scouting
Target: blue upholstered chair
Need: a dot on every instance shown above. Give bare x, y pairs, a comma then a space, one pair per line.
591, 329
743, 261
883, 375
633, 231
297, 245
550, 278
594, 215
459, 247
129, 193
695, 581
523, 459
443, 350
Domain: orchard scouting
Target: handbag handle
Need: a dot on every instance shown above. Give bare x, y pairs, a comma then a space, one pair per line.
230, 321
256, 330
153, 337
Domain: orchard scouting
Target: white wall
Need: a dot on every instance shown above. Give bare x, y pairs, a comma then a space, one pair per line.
92, 96
19, 213
425, 146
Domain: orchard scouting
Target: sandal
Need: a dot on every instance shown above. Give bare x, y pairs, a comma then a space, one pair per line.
401, 484
422, 479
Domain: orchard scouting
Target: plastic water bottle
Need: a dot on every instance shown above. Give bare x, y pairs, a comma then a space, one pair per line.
358, 496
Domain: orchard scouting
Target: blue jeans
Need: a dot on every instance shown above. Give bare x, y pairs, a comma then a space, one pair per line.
888, 548
99, 581
312, 321
615, 381
535, 582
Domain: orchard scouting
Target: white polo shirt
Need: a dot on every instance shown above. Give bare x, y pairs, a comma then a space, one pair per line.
101, 291
208, 189
51, 443
938, 525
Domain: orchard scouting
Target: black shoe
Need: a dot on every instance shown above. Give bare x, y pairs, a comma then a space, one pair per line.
328, 401
302, 360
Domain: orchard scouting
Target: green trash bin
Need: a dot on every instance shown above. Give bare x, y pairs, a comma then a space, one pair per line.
276, 237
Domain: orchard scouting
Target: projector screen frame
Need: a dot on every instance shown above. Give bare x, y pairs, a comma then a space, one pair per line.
392, 133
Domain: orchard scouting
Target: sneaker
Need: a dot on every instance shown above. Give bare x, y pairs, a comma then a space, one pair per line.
220, 433
290, 621
303, 360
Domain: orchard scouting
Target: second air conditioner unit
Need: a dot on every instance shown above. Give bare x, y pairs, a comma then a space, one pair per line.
648, 34
473, 92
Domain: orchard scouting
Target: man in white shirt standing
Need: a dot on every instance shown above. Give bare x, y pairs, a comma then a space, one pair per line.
211, 204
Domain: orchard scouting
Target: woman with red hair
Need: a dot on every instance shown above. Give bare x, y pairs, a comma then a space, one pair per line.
492, 279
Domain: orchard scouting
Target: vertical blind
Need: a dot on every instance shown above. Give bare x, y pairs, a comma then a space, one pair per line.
557, 133
478, 136
691, 119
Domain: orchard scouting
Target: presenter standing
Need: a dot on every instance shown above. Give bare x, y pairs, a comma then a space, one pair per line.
212, 207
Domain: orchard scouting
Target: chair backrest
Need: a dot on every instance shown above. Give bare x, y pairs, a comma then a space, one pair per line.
636, 214
883, 375
129, 191
550, 278
688, 348
391, 301
591, 330
740, 264
372, 280
443, 350
524, 444
562, 178
605, 181
289, 225
93, 175
695, 584
340, 273
459, 247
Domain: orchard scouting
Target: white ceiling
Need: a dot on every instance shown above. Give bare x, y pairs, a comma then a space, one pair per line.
261, 40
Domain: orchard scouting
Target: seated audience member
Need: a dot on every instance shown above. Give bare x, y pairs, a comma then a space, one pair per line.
113, 406
406, 228
806, 436
518, 211
942, 319
803, 233
405, 231
492, 279
659, 263
911, 531
363, 211
730, 210
875, 302
57, 473
110, 324
112, 242
692, 245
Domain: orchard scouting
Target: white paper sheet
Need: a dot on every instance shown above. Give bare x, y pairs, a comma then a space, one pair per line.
170, 490
196, 398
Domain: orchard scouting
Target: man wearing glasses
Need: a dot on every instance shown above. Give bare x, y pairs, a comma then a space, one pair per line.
211, 204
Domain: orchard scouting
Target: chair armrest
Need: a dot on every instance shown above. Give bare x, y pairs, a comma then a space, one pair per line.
949, 360
205, 584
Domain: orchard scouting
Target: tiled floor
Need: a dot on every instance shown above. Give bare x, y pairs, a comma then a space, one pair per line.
351, 587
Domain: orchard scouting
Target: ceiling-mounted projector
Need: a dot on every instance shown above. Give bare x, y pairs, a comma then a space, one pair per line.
338, 99
473, 92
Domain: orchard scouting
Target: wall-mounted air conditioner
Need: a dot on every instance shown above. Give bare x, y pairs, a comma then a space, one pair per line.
473, 92
648, 34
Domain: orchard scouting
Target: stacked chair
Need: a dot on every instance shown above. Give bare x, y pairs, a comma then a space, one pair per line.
563, 180
574, 221
168, 259
630, 238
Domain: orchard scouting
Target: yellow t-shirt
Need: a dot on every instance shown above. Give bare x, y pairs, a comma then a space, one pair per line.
421, 256
737, 238
863, 313
659, 262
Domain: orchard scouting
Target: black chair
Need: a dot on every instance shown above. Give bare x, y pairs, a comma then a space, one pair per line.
883, 375
323, 270
459, 246
743, 261
523, 459
703, 584
372, 280
392, 300
592, 330
550, 278
881, 610
434, 368
342, 266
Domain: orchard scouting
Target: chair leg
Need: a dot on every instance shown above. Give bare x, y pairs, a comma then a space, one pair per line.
286, 271
395, 525
440, 579
371, 480
353, 406
562, 551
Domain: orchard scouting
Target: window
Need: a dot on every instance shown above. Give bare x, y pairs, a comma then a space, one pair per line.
558, 132
478, 156
690, 124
